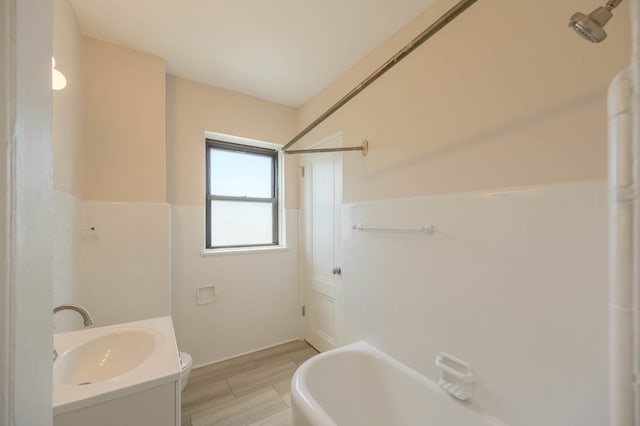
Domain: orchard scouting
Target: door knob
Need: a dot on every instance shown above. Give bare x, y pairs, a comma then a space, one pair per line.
336, 271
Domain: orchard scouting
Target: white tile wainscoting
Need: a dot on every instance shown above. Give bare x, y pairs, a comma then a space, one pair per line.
126, 263
513, 281
120, 269
66, 287
256, 292
144, 260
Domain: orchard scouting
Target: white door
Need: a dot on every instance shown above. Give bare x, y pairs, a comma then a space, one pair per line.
323, 280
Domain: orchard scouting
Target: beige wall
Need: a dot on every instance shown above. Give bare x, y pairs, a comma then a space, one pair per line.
124, 124
67, 103
192, 109
506, 95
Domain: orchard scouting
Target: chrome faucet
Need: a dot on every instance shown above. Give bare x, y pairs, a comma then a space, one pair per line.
79, 309
86, 318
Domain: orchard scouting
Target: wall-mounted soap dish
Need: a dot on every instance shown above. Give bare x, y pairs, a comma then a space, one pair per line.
205, 295
456, 376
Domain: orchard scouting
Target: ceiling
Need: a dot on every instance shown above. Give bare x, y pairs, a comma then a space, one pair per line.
284, 51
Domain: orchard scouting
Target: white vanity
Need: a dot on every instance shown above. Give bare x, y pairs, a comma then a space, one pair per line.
124, 374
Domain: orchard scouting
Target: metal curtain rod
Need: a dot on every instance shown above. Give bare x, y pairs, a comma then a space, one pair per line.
364, 148
442, 22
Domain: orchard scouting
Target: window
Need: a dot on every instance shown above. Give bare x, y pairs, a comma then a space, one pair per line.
242, 196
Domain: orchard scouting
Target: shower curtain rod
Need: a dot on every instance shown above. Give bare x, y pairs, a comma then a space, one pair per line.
364, 148
442, 22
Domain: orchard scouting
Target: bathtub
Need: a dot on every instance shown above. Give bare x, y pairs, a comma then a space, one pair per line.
358, 385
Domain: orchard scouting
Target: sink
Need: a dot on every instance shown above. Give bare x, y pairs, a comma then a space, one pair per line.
100, 364
105, 357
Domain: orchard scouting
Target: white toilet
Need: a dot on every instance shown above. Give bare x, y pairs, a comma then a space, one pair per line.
185, 367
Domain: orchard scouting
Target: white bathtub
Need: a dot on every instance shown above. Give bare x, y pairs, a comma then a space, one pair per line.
358, 385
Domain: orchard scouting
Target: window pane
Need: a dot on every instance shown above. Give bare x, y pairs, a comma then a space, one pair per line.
240, 174
237, 223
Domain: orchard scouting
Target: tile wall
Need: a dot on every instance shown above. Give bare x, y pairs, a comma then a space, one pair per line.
126, 260
513, 281
66, 278
256, 294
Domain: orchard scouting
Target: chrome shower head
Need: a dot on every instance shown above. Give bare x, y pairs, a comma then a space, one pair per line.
591, 26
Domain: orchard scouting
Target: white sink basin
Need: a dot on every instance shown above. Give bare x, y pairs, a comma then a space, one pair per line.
105, 357
95, 365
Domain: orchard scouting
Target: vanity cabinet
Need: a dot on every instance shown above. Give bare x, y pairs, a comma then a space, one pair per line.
158, 406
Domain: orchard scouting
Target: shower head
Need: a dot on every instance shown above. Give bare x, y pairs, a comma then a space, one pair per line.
591, 26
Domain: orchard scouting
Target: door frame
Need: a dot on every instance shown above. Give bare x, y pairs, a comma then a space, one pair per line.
333, 141
26, 194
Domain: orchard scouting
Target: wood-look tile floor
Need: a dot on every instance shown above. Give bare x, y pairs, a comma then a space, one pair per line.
250, 390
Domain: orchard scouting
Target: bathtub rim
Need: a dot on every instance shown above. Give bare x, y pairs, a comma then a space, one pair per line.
303, 400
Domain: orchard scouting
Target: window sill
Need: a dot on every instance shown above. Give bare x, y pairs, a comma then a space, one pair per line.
243, 250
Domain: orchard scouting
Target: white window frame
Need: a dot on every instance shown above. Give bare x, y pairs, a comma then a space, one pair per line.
280, 188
